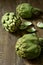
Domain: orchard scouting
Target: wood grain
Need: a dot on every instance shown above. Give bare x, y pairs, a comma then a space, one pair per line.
7, 40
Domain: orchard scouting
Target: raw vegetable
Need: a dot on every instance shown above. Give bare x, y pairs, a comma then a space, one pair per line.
27, 46
10, 22
26, 10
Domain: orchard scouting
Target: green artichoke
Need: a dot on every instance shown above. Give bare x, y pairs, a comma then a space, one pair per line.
10, 22
28, 47
26, 10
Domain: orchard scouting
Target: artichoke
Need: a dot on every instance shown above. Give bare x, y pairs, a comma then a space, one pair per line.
28, 47
26, 10
10, 22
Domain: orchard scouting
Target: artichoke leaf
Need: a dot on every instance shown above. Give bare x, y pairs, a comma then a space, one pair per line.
40, 24
31, 30
25, 24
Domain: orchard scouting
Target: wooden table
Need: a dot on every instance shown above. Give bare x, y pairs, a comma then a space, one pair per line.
7, 40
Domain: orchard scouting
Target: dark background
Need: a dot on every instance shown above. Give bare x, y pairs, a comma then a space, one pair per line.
7, 40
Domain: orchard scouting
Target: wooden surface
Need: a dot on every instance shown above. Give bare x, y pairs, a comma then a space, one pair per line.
7, 40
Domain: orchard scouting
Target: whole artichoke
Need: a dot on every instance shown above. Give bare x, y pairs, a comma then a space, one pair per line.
28, 47
10, 22
26, 10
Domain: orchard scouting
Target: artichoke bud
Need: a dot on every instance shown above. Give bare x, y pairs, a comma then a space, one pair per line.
27, 46
24, 10
10, 22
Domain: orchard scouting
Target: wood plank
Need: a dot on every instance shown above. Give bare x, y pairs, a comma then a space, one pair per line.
8, 41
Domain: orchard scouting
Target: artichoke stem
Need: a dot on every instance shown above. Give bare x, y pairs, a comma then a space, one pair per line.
37, 11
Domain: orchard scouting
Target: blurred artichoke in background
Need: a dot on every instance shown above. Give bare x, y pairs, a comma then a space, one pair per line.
26, 10
28, 47
10, 22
